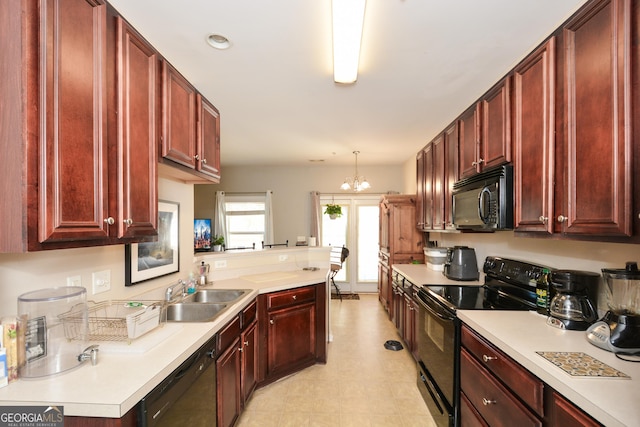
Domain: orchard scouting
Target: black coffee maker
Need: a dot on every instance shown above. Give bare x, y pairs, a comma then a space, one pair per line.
574, 305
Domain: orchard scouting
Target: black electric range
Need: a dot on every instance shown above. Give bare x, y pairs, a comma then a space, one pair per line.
508, 285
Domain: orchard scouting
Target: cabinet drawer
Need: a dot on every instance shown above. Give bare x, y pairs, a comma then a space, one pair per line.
230, 332
525, 385
469, 417
293, 296
249, 314
495, 403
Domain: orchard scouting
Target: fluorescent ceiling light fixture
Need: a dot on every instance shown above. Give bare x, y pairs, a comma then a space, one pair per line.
348, 20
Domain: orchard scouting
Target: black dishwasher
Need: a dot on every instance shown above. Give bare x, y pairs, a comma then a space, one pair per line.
187, 396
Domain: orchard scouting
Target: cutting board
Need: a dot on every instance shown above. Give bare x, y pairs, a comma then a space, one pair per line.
142, 344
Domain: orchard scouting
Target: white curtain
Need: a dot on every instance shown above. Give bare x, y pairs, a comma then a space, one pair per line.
268, 219
315, 216
220, 220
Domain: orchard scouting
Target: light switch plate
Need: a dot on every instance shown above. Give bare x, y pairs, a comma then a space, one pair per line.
101, 281
74, 281
220, 263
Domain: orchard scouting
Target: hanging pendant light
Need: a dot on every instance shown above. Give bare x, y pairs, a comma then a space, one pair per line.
356, 183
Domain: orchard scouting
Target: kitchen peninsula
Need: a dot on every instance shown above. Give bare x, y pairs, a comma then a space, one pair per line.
122, 377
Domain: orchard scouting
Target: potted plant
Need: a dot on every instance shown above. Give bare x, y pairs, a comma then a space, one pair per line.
333, 210
217, 243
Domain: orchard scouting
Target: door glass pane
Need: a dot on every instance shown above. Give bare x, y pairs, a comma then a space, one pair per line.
334, 233
367, 227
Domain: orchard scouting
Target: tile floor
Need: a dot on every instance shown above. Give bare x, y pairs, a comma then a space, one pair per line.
362, 384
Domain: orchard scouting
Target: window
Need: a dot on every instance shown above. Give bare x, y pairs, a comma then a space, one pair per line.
245, 220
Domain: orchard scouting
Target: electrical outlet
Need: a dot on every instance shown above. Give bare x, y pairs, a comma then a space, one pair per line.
220, 263
74, 281
283, 257
101, 281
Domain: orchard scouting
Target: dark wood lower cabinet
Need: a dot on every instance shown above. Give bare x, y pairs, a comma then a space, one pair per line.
497, 391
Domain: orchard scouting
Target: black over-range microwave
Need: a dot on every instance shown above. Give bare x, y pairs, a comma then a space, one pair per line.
484, 202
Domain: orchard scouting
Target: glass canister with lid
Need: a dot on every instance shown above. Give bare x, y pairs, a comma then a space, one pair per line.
47, 350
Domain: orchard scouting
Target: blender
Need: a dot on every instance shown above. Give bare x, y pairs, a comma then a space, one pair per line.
573, 306
619, 330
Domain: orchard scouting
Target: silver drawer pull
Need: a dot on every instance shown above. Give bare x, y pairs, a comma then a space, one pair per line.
295, 297
487, 402
488, 358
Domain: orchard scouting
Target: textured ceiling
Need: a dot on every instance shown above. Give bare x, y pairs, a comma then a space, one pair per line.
422, 63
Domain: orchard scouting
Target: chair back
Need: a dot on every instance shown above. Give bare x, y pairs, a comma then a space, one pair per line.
337, 257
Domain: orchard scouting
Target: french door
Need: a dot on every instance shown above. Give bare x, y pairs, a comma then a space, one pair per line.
357, 230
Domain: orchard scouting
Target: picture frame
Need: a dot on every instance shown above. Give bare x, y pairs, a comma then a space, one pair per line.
202, 237
150, 260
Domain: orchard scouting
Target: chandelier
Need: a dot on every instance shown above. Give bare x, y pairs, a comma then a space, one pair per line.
356, 182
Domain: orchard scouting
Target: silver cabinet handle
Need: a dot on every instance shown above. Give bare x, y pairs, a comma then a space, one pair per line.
110, 221
246, 343
128, 222
197, 157
543, 219
487, 402
295, 297
562, 218
204, 161
488, 358
479, 162
271, 321
240, 349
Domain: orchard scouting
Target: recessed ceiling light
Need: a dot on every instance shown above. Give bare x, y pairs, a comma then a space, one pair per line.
218, 41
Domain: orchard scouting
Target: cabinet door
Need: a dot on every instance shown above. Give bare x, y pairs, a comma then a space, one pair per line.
597, 66
495, 146
438, 165
566, 414
451, 172
421, 192
404, 237
469, 141
208, 152
384, 287
178, 118
249, 344
291, 337
429, 199
534, 140
228, 384
72, 195
137, 71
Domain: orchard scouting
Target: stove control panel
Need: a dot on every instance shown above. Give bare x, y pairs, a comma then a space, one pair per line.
514, 271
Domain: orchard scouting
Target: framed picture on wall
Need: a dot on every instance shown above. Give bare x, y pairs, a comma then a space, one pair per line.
148, 260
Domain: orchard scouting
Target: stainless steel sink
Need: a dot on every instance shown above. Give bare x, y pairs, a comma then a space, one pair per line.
216, 295
193, 311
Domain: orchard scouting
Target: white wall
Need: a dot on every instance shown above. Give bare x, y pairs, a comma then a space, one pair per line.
291, 187
20, 273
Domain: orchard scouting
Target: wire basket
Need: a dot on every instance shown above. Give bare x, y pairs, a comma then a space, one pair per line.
113, 320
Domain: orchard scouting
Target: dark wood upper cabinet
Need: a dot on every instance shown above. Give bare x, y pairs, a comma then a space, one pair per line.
534, 139
438, 182
83, 165
469, 142
178, 117
596, 195
71, 191
451, 137
208, 157
137, 154
495, 145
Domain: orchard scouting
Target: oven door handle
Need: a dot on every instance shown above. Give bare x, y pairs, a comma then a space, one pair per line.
444, 316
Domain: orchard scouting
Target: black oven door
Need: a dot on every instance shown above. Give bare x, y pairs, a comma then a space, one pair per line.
438, 341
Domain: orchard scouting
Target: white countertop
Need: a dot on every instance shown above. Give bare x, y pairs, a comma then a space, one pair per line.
119, 380
419, 274
612, 401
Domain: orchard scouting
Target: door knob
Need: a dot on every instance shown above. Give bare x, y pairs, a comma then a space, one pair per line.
128, 222
543, 219
110, 221
562, 218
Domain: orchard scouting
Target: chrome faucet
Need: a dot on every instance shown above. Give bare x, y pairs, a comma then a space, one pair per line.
89, 353
168, 295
